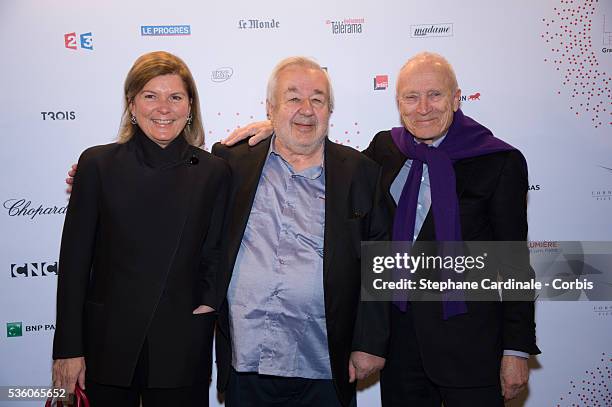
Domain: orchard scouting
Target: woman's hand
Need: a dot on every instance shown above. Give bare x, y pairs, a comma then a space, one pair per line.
66, 372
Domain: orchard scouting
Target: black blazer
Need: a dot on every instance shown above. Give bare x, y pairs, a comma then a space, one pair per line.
466, 350
353, 212
140, 251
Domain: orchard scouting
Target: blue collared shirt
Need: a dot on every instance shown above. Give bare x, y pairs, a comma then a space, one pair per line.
423, 205
275, 296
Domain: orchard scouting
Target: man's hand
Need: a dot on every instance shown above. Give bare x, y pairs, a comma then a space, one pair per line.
70, 178
66, 372
514, 375
258, 130
203, 309
362, 364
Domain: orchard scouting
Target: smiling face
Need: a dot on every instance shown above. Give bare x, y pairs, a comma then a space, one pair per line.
161, 108
427, 99
300, 108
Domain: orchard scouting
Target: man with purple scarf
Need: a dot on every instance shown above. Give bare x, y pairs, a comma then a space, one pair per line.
450, 179
447, 178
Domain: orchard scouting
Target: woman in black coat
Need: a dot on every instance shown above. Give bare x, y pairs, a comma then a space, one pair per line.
140, 251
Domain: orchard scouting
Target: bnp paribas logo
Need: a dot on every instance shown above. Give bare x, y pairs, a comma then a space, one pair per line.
13, 329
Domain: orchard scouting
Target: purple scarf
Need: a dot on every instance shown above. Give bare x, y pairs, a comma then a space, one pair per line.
465, 138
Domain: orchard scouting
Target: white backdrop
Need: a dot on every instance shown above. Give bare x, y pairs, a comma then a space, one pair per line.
537, 73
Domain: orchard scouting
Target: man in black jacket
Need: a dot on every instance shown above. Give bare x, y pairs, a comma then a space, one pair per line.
459, 354
292, 330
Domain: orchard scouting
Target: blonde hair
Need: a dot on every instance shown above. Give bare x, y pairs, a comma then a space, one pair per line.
147, 67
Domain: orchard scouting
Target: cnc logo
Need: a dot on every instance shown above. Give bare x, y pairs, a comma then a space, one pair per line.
59, 115
221, 74
13, 329
431, 30
165, 30
381, 82
21, 207
346, 26
40, 269
255, 24
85, 41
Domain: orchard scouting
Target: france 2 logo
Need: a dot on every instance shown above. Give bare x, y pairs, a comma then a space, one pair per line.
86, 41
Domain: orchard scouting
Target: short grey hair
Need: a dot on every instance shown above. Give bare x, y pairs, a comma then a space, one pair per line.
432, 58
300, 61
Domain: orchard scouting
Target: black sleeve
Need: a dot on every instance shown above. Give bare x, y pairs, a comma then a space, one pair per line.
212, 263
508, 214
372, 329
76, 256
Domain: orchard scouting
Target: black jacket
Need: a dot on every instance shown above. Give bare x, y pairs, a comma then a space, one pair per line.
140, 251
353, 212
466, 350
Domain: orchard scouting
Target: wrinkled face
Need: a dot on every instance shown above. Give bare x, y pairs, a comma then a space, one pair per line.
299, 110
426, 100
161, 108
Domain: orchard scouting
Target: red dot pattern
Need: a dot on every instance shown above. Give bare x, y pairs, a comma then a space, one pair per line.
568, 34
351, 131
593, 390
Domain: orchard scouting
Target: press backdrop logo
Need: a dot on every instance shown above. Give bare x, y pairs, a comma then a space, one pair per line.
73, 41
13, 329
431, 30
21, 207
59, 115
603, 310
39, 269
603, 194
16, 329
256, 24
221, 74
607, 36
165, 30
346, 26
471, 97
381, 82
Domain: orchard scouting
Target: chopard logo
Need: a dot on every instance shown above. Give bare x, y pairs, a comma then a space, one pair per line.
23, 207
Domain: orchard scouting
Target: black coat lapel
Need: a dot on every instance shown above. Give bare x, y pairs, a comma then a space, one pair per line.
337, 184
392, 161
247, 171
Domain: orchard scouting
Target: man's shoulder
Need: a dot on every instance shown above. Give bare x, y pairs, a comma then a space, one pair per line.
212, 163
221, 150
353, 156
100, 152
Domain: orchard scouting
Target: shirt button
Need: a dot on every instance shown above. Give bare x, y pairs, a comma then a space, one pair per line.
419, 206
415, 237
422, 179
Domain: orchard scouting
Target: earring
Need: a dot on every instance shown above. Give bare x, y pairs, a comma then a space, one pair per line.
189, 119
133, 119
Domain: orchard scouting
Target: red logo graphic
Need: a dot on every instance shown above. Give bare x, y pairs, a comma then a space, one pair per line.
70, 40
381, 82
475, 96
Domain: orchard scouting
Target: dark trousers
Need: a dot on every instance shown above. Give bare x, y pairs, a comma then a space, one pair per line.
404, 383
255, 390
101, 395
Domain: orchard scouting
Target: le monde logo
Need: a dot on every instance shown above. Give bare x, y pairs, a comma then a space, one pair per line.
24, 207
